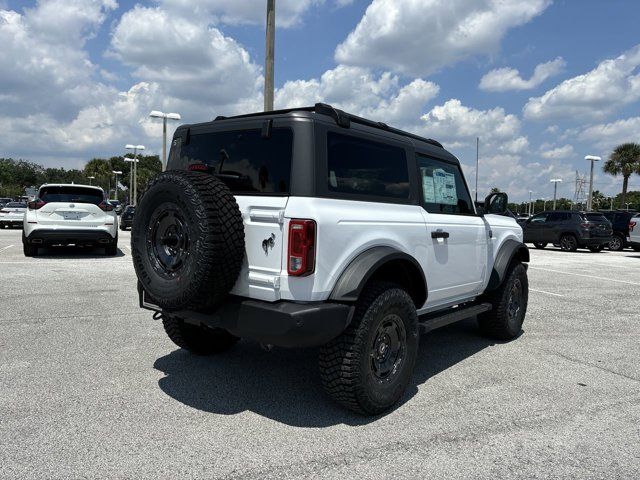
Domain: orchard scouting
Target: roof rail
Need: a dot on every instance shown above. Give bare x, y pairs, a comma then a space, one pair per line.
342, 119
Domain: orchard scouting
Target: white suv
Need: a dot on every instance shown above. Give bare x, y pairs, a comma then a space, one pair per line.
63, 214
634, 231
313, 227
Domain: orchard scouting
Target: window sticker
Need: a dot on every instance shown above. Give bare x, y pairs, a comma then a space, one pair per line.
428, 188
445, 187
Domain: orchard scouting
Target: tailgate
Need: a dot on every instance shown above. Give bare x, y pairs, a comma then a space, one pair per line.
263, 218
71, 215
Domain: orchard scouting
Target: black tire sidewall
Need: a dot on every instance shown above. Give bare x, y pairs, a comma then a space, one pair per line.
380, 395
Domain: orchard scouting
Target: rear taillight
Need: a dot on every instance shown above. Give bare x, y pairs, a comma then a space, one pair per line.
106, 206
302, 247
631, 225
5, 211
36, 204
585, 225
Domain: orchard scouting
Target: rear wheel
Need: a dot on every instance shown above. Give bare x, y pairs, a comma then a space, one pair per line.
509, 302
368, 367
111, 250
198, 340
616, 244
595, 248
29, 250
539, 245
568, 243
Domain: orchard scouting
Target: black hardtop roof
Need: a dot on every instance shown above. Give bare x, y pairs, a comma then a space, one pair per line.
341, 118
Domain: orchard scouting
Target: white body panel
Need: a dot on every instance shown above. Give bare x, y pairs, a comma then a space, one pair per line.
457, 269
12, 214
634, 235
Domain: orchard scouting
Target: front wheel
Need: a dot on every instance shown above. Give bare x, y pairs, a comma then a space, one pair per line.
539, 245
368, 367
509, 306
198, 340
568, 243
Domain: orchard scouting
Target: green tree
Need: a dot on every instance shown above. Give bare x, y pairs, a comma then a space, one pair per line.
625, 161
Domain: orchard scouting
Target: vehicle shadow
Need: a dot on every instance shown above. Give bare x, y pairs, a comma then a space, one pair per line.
284, 384
68, 253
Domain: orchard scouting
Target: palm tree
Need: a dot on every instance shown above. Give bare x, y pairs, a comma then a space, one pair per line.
624, 160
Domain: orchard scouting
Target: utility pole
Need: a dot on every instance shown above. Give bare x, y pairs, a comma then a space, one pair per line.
592, 159
269, 56
555, 190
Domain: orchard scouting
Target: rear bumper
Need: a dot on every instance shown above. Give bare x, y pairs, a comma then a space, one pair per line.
284, 324
66, 237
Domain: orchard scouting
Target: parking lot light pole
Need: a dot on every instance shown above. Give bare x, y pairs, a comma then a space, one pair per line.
135, 149
116, 173
592, 159
164, 117
91, 180
530, 205
555, 182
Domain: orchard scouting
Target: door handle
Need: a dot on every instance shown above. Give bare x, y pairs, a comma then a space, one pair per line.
439, 234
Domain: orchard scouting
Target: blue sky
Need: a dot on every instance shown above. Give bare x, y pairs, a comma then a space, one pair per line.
541, 82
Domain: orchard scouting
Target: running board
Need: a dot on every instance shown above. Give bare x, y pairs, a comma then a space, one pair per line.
432, 321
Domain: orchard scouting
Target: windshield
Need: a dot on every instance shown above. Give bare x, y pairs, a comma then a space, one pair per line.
71, 194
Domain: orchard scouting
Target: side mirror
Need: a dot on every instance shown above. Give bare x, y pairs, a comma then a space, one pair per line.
496, 203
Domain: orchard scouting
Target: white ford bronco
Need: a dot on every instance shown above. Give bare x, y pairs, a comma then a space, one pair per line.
311, 227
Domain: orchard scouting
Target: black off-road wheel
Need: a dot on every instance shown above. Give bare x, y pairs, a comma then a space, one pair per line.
198, 340
539, 245
187, 241
509, 305
568, 243
368, 367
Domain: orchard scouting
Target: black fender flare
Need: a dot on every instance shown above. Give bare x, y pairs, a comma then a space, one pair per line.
509, 250
362, 268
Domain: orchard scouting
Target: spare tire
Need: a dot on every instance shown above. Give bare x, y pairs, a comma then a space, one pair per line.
187, 241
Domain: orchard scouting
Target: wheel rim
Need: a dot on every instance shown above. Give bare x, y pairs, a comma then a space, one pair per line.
615, 243
567, 243
168, 241
514, 304
388, 349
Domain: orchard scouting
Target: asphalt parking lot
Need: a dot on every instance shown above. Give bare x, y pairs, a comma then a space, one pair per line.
90, 386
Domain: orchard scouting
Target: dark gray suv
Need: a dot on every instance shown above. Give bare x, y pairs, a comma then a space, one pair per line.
569, 230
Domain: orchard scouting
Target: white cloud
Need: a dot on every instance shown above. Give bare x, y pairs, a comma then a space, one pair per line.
43, 64
611, 85
357, 90
566, 151
418, 37
188, 58
289, 13
607, 136
503, 79
460, 125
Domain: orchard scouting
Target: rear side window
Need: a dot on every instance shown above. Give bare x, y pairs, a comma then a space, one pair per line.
443, 187
247, 162
363, 167
559, 217
71, 194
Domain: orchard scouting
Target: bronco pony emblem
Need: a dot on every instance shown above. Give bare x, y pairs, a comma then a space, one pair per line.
268, 243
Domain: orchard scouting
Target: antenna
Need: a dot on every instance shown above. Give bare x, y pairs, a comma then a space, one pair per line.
477, 163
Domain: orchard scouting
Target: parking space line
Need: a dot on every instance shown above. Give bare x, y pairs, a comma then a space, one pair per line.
5, 248
586, 276
548, 293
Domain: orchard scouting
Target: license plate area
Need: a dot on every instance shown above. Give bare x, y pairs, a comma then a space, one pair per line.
71, 216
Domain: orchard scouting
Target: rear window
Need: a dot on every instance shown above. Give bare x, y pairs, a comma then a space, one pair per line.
595, 217
248, 162
71, 194
363, 167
